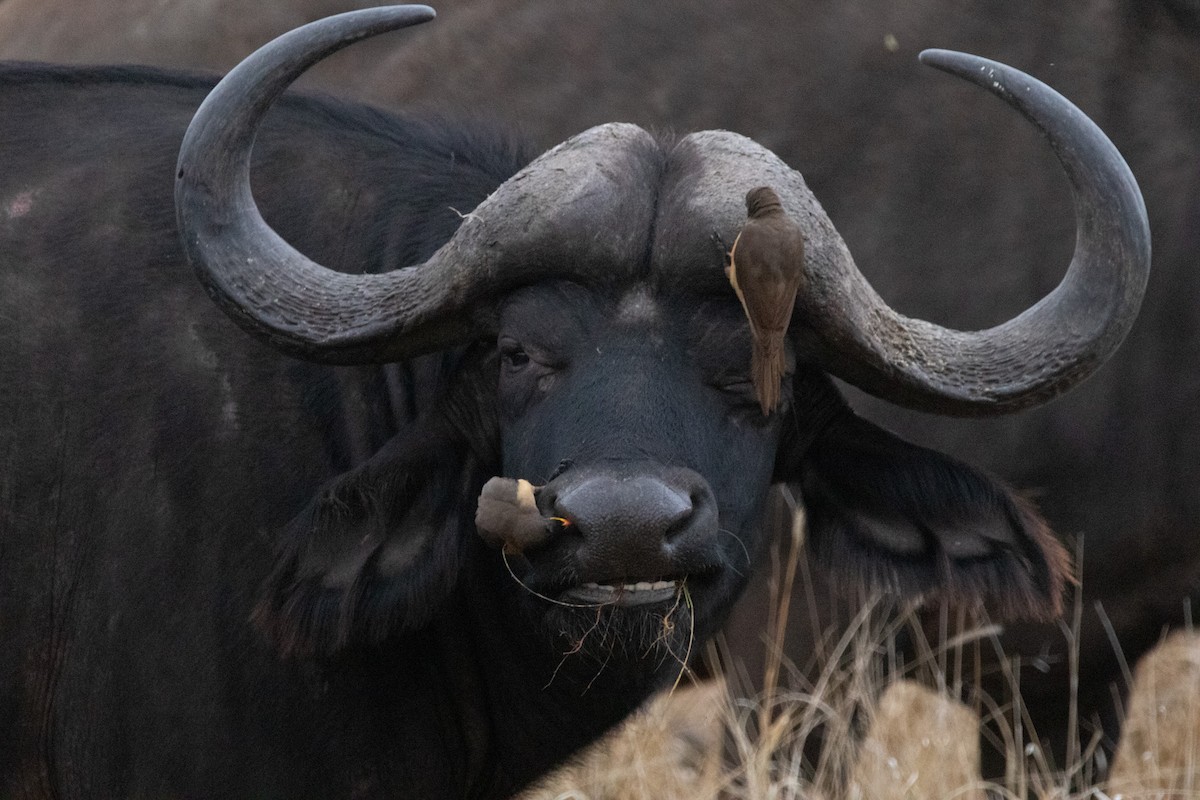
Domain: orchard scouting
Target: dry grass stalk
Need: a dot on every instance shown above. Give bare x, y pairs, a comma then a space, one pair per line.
1159, 752
917, 744
826, 734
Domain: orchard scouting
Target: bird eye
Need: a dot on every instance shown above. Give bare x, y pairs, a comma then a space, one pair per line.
516, 358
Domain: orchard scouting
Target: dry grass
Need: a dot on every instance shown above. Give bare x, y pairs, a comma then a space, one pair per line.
883, 738
871, 727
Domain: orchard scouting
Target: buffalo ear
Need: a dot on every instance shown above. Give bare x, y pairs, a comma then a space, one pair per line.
901, 518
376, 551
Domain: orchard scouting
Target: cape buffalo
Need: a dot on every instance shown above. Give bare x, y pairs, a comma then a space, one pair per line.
167, 482
923, 180
834, 90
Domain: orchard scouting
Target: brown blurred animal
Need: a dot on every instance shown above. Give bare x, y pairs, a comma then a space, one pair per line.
919, 745
670, 750
1159, 752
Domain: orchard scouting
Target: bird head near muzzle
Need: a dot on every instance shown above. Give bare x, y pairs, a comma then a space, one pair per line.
644, 414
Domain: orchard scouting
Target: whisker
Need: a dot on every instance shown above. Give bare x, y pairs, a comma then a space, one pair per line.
738, 539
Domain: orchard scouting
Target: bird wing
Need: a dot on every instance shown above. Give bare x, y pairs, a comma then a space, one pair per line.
766, 278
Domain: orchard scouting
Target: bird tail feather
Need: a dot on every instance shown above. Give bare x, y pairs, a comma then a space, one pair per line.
766, 370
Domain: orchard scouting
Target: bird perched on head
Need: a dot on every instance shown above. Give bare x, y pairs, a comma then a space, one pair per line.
766, 267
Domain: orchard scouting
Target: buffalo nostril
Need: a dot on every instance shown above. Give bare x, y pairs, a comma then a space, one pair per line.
678, 522
608, 505
562, 467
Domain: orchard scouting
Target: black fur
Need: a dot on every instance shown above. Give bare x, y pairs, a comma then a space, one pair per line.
909, 521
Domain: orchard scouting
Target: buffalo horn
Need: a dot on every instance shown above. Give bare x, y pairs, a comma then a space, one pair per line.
1048, 348
307, 310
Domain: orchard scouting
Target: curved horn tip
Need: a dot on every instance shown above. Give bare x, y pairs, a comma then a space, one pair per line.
955, 62
995, 76
355, 25
398, 14
419, 10
988, 372
405, 13
936, 55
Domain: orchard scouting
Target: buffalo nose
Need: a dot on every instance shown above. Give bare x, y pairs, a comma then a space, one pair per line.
638, 525
640, 503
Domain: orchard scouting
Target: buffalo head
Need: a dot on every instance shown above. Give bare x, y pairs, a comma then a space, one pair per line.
604, 358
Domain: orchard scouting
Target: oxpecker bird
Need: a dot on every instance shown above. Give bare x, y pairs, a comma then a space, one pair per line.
508, 516
766, 266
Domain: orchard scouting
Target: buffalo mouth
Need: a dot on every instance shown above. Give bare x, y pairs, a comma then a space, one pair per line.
624, 592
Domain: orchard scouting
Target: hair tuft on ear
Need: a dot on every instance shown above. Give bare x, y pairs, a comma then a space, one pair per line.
375, 552
909, 521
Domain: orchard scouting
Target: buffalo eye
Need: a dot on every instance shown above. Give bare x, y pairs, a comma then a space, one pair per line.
526, 373
741, 396
512, 355
738, 389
